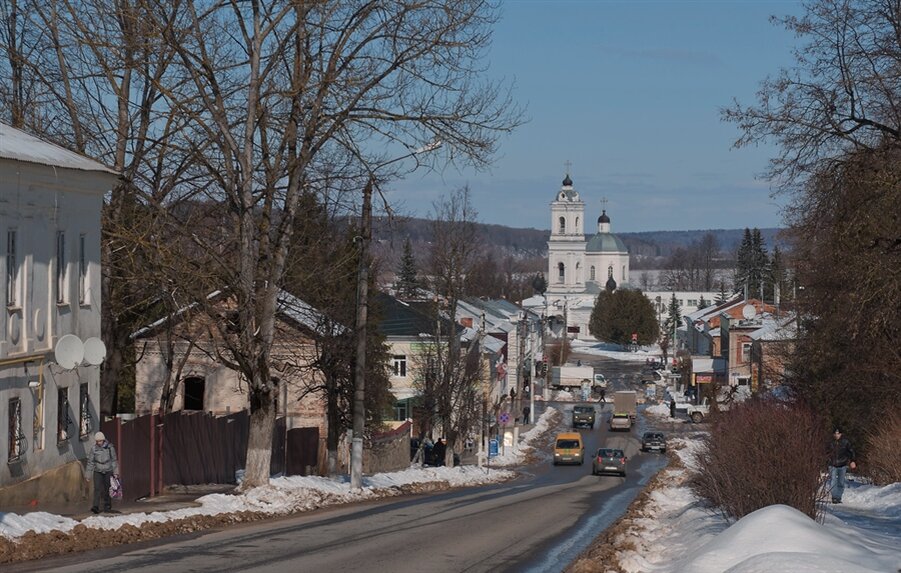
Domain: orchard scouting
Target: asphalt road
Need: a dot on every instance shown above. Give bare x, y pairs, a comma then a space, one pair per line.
538, 522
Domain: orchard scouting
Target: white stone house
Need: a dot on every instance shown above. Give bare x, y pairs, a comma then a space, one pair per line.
50, 204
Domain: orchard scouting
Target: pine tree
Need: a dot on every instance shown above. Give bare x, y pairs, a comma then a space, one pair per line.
702, 303
760, 263
723, 296
743, 262
539, 283
407, 281
673, 314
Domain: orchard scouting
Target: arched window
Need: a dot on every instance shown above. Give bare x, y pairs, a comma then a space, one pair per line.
624, 273
561, 272
562, 225
591, 270
194, 390
577, 224
578, 272
610, 272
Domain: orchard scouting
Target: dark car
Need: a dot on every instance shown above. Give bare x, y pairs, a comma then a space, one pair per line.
609, 461
583, 416
653, 441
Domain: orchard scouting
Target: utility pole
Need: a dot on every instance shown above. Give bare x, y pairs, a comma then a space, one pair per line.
532, 365
356, 451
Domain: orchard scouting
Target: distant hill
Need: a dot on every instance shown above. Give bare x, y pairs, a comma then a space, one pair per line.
524, 243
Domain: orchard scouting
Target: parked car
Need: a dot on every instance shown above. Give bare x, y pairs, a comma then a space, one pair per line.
609, 461
653, 441
583, 416
621, 421
569, 449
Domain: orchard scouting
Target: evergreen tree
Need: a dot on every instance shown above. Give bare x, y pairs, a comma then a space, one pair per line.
539, 283
743, 262
703, 303
759, 274
673, 314
723, 296
407, 281
778, 276
619, 313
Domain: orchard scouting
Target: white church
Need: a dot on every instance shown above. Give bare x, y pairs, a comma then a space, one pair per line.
579, 265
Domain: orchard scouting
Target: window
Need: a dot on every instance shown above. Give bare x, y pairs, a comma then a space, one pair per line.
16, 437
401, 410
624, 273
561, 272
84, 414
610, 272
577, 224
194, 390
60, 267
400, 366
592, 274
692, 302
38, 419
12, 268
746, 352
562, 225
82, 270
62, 415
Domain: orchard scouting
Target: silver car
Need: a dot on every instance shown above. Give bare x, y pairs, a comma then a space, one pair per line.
609, 461
621, 421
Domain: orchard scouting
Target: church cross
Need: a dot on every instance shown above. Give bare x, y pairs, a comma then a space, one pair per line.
567, 164
604, 203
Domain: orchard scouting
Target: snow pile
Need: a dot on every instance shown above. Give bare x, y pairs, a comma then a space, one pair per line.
283, 495
660, 410
562, 396
517, 454
676, 533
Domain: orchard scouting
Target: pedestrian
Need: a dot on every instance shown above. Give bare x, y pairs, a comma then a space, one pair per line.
603, 395
438, 451
102, 464
525, 414
672, 408
841, 457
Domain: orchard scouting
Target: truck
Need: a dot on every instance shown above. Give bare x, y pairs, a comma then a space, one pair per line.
625, 402
697, 412
583, 416
571, 377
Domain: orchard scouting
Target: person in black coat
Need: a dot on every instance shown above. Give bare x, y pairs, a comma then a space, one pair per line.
841, 457
438, 451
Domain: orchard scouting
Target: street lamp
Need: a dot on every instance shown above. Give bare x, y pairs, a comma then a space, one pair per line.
356, 451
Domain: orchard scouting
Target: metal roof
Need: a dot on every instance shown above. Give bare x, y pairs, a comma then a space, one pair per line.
17, 145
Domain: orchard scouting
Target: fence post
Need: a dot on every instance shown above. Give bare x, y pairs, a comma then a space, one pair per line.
159, 476
152, 454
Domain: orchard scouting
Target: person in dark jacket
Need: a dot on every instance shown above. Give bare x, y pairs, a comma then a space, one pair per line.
102, 464
438, 452
841, 457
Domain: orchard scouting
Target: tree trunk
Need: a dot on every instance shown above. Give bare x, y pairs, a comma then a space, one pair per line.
259, 443
334, 433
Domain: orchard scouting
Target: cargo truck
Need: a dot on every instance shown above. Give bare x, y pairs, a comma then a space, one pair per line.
571, 377
625, 402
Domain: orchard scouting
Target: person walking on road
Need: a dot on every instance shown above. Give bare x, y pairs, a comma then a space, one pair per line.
438, 452
841, 457
102, 464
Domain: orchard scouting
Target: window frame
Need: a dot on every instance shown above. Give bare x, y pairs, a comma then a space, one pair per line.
62, 416
12, 268
60, 267
399, 365
82, 270
85, 419
17, 440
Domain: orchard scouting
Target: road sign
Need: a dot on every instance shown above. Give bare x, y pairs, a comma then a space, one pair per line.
492, 448
504, 418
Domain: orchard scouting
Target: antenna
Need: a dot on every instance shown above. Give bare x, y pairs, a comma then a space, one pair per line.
94, 351
749, 312
69, 351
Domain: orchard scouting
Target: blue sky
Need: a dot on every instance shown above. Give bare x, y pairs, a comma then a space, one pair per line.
630, 93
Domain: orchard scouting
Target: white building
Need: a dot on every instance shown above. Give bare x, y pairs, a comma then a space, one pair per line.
50, 203
579, 265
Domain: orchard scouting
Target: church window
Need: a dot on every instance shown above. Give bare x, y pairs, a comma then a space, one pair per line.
578, 272
624, 273
591, 270
610, 272
561, 272
577, 223
562, 225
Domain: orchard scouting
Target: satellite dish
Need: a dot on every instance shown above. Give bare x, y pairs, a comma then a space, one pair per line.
749, 312
69, 351
94, 351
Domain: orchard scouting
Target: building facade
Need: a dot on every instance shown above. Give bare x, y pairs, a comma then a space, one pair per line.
50, 204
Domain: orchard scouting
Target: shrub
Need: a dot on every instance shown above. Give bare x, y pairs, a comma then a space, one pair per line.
759, 453
883, 456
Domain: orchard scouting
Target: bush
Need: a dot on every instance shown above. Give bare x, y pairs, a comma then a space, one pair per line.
883, 456
759, 453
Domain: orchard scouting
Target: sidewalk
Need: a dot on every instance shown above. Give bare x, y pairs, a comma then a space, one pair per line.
174, 497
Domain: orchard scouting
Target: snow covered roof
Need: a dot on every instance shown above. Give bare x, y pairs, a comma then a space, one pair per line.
303, 313
776, 330
17, 145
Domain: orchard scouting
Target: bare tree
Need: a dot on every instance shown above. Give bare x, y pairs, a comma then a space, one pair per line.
841, 94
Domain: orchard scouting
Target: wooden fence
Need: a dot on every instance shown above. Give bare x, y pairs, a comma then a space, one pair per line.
189, 448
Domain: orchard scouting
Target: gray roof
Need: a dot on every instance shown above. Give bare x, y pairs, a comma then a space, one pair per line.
17, 145
605, 243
